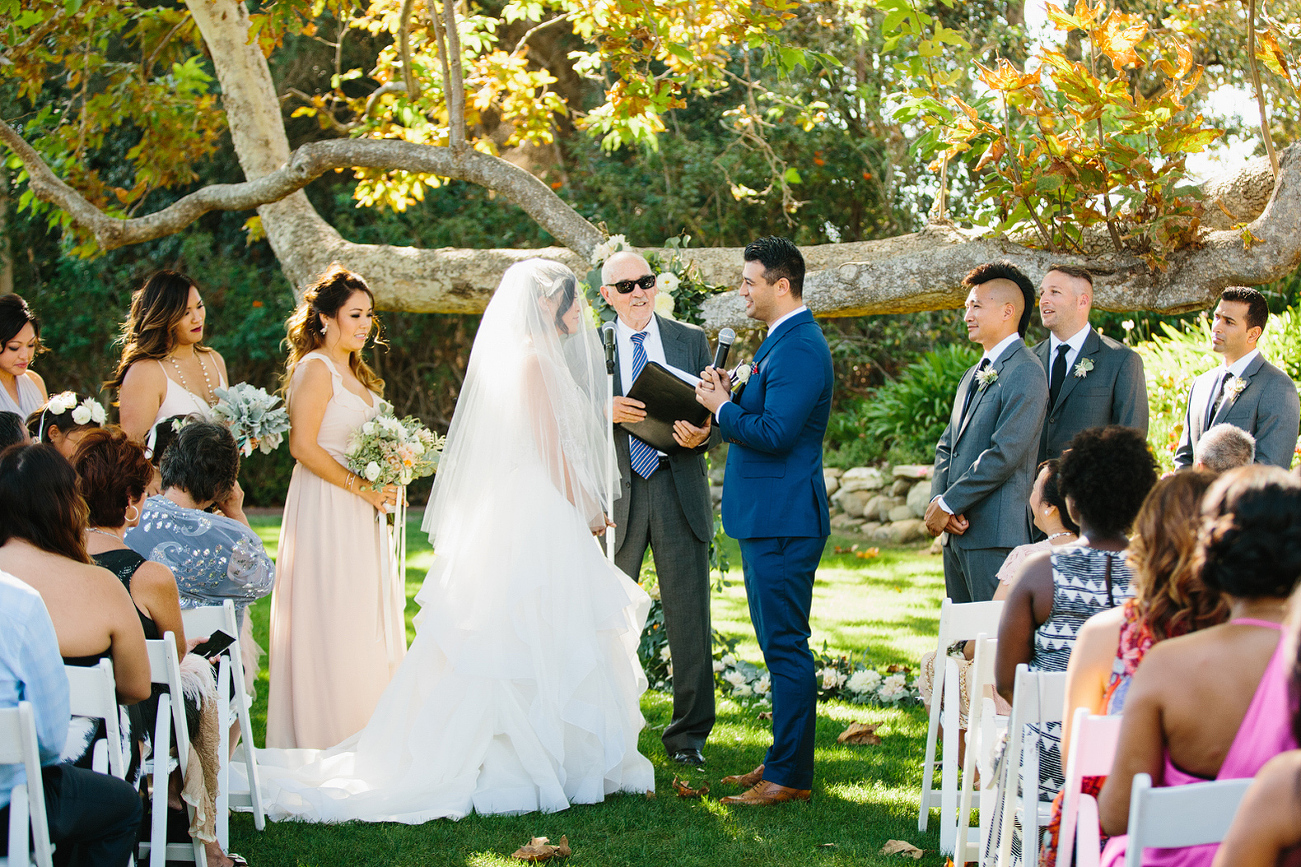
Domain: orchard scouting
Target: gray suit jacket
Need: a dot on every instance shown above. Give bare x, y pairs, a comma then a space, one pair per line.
687, 348
1267, 408
1113, 392
984, 464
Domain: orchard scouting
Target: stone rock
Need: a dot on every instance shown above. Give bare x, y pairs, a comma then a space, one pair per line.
901, 513
919, 498
862, 479
909, 530
900, 488
836, 472
716, 494
869, 528
936, 549
914, 471
878, 508
854, 503
883, 534
832, 482
845, 523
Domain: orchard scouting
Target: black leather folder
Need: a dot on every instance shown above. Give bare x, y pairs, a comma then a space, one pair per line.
667, 398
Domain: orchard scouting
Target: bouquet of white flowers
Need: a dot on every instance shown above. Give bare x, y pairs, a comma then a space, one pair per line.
253, 417
390, 451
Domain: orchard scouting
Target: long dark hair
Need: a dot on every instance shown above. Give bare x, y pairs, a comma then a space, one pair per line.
14, 316
305, 332
150, 328
40, 503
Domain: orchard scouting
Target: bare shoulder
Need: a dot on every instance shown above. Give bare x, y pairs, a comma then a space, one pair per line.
1099, 637
153, 577
215, 356
145, 374
40, 383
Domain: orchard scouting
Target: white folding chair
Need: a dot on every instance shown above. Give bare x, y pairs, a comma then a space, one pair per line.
958, 622
984, 724
1092, 750
1038, 698
1173, 816
230, 670
165, 668
92, 693
18, 746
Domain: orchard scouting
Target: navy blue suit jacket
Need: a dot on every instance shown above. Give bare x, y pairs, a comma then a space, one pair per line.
775, 425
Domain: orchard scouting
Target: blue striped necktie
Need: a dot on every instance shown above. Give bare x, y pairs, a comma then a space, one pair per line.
645, 460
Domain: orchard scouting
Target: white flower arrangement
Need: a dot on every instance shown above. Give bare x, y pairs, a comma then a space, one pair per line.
1083, 366
667, 282
608, 248
664, 304
1235, 387
87, 411
741, 375
253, 416
985, 378
751, 685
391, 451
832, 679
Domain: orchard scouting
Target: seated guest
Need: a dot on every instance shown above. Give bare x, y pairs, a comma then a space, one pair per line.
1169, 600
1214, 704
94, 819
12, 429
1049, 510
1104, 475
1224, 447
64, 419
42, 543
214, 557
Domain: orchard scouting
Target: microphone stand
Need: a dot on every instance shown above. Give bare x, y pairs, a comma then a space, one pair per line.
611, 467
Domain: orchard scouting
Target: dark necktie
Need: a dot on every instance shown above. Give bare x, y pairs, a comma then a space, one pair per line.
973, 387
1219, 398
644, 459
1059, 375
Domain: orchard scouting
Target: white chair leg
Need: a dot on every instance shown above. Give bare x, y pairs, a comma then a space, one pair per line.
158, 797
949, 764
223, 753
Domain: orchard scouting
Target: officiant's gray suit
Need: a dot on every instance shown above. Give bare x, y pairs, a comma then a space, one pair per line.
1113, 392
984, 470
671, 513
1266, 408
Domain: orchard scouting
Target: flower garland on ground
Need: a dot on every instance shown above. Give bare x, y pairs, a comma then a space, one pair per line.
847, 678
680, 291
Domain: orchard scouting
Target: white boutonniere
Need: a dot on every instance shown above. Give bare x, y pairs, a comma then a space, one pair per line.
985, 378
1234, 388
742, 374
1083, 366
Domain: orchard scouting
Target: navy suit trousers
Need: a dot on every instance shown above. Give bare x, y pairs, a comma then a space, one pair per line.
779, 585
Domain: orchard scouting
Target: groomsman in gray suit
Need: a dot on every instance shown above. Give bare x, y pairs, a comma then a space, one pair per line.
1245, 391
1093, 381
665, 500
985, 459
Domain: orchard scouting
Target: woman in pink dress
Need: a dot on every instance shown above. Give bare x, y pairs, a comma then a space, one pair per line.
1214, 704
337, 628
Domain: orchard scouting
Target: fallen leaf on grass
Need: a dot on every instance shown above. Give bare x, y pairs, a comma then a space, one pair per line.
899, 847
538, 849
685, 791
650, 794
765, 714
859, 733
868, 554
826, 845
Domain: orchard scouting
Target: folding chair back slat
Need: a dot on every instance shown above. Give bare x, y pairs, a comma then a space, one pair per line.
92, 692
18, 746
1038, 698
1173, 816
1092, 750
982, 733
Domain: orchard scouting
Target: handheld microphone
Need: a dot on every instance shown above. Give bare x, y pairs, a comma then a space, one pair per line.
725, 340
607, 337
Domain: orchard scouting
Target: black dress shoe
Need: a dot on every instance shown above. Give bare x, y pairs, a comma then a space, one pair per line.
689, 757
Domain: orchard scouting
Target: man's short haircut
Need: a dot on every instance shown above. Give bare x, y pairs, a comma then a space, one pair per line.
1257, 309
779, 258
606, 269
1073, 271
12, 429
1225, 447
1005, 270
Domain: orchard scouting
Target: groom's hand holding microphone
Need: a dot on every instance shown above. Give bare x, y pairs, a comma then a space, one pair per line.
715, 386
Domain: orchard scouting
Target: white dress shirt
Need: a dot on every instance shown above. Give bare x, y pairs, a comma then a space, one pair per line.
1076, 344
1239, 367
653, 345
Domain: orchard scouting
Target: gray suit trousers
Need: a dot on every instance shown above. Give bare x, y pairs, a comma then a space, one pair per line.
971, 574
656, 519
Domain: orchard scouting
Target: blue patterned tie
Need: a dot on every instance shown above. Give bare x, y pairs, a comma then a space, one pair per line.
645, 460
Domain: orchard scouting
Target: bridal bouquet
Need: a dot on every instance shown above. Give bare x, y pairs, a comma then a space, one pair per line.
253, 417
390, 451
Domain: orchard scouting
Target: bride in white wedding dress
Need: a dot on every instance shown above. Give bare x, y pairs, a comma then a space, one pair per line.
521, 690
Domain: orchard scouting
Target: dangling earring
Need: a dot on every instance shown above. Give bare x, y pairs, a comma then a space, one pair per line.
134, 517
322, 327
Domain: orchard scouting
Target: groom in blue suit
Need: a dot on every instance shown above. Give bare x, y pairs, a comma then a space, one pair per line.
775, 501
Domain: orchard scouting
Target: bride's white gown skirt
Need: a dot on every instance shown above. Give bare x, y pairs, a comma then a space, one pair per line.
520, 692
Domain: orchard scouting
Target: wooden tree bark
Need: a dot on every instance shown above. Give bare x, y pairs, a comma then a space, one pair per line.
922, 271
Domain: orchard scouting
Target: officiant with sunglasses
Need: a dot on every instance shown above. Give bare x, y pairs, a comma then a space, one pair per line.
665, 499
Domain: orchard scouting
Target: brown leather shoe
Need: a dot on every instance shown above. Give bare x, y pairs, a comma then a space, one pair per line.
764, 793
747, 780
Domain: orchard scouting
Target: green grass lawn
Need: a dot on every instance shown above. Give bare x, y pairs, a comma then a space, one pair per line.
862, 797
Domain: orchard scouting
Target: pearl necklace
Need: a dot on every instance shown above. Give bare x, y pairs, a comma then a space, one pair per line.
212, 397
1058, 535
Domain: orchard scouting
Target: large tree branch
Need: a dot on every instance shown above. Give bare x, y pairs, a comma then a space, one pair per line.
307, 164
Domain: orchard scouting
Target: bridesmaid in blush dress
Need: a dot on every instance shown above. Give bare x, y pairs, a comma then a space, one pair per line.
337, 628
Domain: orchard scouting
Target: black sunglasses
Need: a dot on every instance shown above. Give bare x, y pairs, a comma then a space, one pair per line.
624, 287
